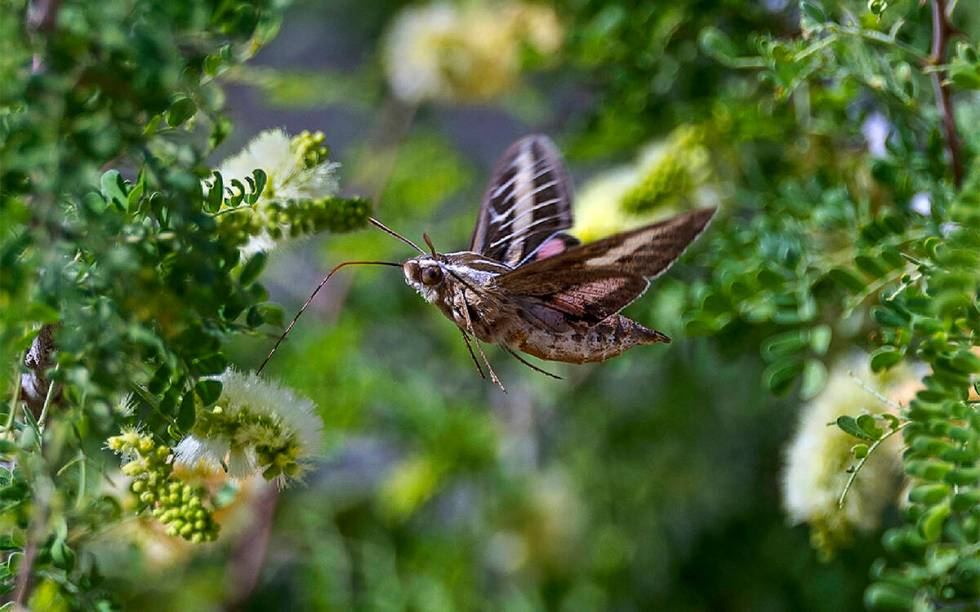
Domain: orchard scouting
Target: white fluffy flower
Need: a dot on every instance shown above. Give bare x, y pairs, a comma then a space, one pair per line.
281, 157
209, 453
291, 174
255, 426
819, 456
449, 52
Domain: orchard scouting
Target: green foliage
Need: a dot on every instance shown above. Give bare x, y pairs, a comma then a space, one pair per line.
844, 251
136, 271
644, 482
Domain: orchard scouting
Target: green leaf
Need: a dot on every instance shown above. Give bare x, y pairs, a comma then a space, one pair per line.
884, 358
869, 426
820, 337
272, 314
871, 266
259, 185
716, 44
253, 268
253, 317
781, 375
886, 596
216, 194
236, 193
160, 380
847, 279
135, 196
786, 343
180, 111
62, 556
770, 278
114, 188
813, 11
849, 425
187, 413
929, 494
209, 391
931, 523
210, 365
966, 362
888, 317
893, 421
168, 404
814, 378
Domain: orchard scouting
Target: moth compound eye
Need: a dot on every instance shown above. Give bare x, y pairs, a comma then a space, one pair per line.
432, 275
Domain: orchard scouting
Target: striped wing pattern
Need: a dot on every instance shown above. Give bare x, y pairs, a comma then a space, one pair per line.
527, 203
595, 280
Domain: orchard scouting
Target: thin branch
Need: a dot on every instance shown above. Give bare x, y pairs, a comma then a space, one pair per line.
25, 571
249, 550
871, 449
14, 400
873, 392
941, 31
41, 17
880, 38
47, 403
226, 211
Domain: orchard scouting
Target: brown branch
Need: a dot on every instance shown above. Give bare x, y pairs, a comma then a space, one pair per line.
41, 16
249, 551
24, 583
941, 31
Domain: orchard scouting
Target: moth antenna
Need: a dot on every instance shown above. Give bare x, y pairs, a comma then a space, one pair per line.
384, 228
428, 241
309, 301
529, 364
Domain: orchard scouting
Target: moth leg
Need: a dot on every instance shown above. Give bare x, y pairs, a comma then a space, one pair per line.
469, 348
529, 364
469, 325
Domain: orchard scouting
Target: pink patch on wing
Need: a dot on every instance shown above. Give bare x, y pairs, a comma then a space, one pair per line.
550, 248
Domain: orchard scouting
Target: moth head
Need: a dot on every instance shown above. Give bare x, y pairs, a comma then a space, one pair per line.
426, 274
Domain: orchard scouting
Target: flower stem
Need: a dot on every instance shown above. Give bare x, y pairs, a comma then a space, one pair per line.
14, 398
47, 403
857, 468
941, 30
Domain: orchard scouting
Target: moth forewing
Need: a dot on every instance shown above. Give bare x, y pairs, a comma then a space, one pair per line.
595, 280
526, 202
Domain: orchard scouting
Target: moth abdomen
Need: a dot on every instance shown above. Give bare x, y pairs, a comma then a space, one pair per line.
608, 338
616, 333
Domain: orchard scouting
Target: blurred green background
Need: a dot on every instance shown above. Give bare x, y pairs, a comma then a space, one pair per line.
648, 482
